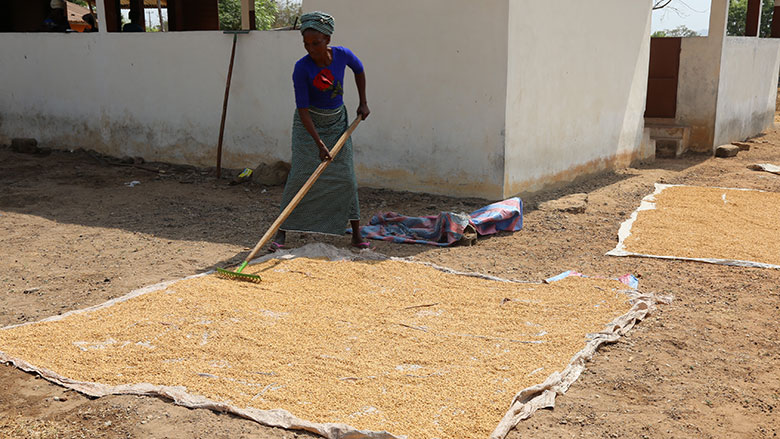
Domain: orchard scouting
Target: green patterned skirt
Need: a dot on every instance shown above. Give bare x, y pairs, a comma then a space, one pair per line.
333, 200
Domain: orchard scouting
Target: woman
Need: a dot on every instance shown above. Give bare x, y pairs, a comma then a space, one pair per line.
320, 120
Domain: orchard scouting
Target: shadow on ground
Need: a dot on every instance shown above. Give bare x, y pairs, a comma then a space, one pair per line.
79, 188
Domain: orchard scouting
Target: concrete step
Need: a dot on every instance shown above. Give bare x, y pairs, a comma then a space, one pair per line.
647, 147
669, 148
671, 140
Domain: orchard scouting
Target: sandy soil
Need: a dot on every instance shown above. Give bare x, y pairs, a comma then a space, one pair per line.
72, 234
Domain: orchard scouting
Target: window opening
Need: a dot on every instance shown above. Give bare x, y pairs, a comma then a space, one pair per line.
153, 17
48, 16
263, 14
288, 15
82, 16
681, 18
743, 11
148, 15
137, 15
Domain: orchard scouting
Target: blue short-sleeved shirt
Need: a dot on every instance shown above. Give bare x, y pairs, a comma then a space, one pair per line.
323, 87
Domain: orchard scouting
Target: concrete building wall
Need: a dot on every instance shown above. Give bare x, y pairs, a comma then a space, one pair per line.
748, 88
697, 89
699, 79
577, 88
436, 73
153, 95
486, 99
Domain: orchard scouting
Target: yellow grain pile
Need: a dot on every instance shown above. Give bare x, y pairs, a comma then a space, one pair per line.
700, 222
384, 345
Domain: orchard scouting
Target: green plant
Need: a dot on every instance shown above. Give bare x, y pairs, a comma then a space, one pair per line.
157, 28
738, 18
679, 31
287, 14
230, 14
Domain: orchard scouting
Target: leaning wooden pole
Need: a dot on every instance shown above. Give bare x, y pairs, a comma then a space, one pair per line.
225, 103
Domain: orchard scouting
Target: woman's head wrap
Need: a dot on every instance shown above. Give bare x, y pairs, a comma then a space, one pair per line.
318, 21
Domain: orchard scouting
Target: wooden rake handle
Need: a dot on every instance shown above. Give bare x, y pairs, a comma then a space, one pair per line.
304, 189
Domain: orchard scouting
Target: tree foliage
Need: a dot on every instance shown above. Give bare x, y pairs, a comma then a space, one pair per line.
230, 14
679, 31
288, 13
737, 20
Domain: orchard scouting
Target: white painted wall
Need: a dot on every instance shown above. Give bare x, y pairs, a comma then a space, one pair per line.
577, 88
156, 95
728, 85
699, 78
697, 89
748, 88
485, 99
436, 73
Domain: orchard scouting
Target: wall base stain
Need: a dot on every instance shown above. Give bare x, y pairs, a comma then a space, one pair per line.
454, 185
702, 136
128, 137
739, 129
135, 139
551, 181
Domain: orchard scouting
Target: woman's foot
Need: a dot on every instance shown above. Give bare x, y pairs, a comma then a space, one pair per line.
278, 242
362, 245
357, 238
275, 246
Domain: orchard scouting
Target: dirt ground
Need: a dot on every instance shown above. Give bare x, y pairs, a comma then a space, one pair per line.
73, 234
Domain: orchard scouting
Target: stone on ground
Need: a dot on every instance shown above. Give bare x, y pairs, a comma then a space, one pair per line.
727, 151
574, 203
271, 174
27, 146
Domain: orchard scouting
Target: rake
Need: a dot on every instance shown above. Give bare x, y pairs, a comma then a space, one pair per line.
238, 275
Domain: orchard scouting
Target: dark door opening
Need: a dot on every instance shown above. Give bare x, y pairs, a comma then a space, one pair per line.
663, 77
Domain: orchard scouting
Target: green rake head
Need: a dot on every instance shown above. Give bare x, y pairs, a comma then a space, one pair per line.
238, 275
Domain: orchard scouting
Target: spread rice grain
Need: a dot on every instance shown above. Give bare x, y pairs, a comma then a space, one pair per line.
386, 345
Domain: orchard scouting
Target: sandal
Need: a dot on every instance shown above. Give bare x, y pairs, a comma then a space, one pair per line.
363, 245
275, 246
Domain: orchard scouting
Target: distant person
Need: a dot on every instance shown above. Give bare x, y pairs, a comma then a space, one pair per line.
91, 22
136, 15
57, 20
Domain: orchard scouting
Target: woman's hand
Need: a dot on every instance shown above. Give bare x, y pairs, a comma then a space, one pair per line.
309, 124
324, 153
360, 81
363, 110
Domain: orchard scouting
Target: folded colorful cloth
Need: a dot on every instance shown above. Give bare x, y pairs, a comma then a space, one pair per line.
505, 215
446, 228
